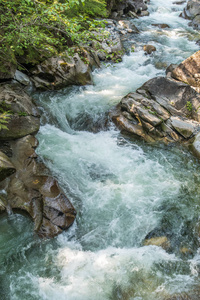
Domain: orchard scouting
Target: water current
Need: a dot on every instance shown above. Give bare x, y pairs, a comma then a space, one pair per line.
122, 189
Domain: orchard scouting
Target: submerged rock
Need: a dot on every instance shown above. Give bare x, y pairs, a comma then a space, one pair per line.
193, 294
161, 241
149, 49
162, 26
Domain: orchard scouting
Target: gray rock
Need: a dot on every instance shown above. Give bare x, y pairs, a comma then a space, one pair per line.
189, 70
6, 166
184, 127
192, 9
196, 22
22, 78
170, 68
24, 118
61, 71
33, 191
170, 94
159, 111
132, 15
144, 13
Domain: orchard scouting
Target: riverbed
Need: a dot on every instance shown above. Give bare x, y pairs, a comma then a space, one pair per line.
122, 188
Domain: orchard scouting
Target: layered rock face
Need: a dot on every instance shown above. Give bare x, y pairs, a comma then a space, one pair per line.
24, 180
164, 109
159, 111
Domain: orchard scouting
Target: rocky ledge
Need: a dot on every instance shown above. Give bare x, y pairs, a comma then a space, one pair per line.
165, 109
26, 185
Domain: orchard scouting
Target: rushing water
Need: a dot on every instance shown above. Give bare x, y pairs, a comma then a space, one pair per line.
122, 189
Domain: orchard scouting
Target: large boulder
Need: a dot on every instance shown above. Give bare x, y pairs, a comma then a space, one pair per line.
31, 190
61, 71
189, 70
192, 9
162, 109
192, 12
22, 116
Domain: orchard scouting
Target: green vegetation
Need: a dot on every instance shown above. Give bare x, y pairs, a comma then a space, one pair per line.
189, 106
22, 114
5, 114
32, 30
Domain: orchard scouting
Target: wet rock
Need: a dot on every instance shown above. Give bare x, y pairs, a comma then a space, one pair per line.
161, 241
162, 26
170, 68
184, 127
192, 9
170, 94
6, 166
193, 294
160, 65
109, 48
196, 22
124, 24
22, 78
179, 2
61, 71
163, 109
185, 251
195, 147
24, 116
189, 70
149, 49
192, 12
132, 15
144, 13
35, 192
118, 8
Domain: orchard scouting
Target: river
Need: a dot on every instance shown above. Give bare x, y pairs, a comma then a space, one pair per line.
122, 189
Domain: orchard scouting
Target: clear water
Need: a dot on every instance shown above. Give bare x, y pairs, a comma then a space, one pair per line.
123, 190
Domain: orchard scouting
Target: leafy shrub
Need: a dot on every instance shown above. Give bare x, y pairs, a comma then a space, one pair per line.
32, 30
